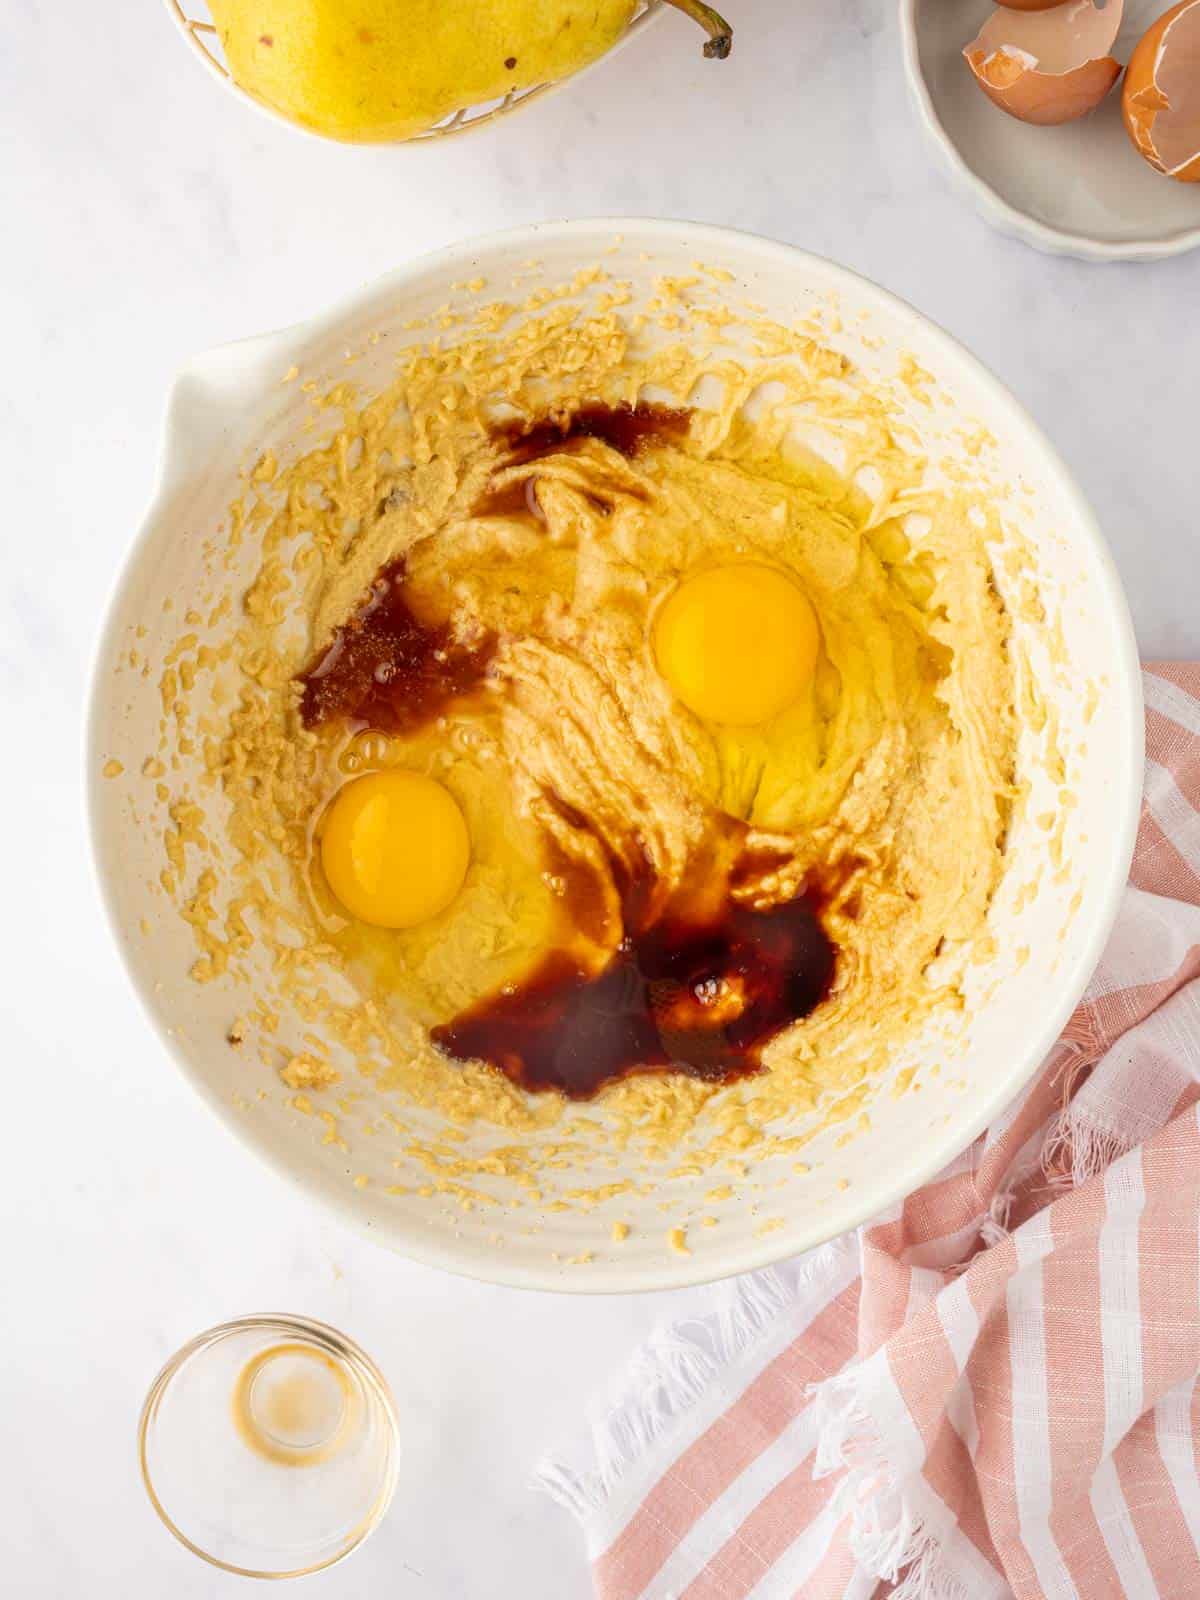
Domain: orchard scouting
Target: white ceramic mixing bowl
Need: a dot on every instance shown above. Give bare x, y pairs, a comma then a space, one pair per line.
230, 404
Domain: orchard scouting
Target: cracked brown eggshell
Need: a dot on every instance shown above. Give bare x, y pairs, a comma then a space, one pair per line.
1047, 66
1160, 99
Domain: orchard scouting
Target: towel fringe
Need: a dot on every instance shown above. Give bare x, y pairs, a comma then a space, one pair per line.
576, 1495
1078, 1148
671, 1373
886, 1535
994, 1228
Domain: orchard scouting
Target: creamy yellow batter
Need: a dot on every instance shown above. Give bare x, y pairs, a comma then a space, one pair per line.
894, 765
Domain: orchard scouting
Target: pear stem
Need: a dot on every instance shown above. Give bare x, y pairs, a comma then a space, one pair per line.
720, 34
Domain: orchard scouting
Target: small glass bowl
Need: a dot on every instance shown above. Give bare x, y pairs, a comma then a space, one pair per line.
269, 1446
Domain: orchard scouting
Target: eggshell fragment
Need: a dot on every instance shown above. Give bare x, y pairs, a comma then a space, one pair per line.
1048, 66
1161, 96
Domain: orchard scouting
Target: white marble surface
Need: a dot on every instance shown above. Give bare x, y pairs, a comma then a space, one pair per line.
146, 217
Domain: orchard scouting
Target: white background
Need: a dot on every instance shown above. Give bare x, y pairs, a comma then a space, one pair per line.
146, 216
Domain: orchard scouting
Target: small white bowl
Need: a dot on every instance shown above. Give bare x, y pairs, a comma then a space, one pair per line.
1079, 190
229, 405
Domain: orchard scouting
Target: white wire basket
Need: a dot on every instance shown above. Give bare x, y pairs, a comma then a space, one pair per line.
197, 30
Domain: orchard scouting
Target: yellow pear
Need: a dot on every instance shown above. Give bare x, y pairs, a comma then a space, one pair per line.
380, 70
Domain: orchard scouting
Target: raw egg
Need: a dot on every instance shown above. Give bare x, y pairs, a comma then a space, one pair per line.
395, 848
1161, 97
737, 643
1047, 66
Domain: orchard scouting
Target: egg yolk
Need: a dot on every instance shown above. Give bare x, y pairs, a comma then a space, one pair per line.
395, 848
737, 644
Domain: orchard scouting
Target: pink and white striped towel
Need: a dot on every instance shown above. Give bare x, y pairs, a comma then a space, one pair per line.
991, 1391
